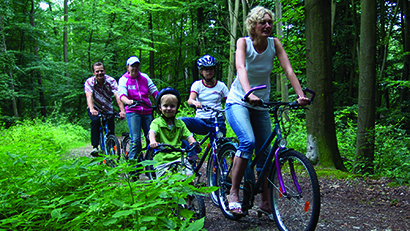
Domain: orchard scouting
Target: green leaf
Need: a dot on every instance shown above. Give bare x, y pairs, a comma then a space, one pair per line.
109, 221
56, 213
123, 213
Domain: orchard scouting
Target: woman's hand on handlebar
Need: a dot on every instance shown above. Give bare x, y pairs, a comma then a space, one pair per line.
122, 114
303, 101
253, 100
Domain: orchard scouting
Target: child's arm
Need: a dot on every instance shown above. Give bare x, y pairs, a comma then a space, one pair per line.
152, 142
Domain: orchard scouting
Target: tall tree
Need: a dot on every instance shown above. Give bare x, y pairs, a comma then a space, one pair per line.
367, 89
321, 134
11, 81
233, 19
281, 81
37, 72
65, 37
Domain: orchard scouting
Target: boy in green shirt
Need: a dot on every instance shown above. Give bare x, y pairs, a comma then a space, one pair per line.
167, 129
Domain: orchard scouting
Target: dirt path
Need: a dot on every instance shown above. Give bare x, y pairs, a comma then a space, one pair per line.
353, 204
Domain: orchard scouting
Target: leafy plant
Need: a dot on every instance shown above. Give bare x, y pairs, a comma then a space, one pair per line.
44, 189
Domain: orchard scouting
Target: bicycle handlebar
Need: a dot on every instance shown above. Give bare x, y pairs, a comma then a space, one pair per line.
138, 103
271, 104
208, 108
163, 147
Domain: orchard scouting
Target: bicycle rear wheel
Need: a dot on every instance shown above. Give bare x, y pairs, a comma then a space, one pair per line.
112, 148
197, 206
125, 147
297, 209
224, 181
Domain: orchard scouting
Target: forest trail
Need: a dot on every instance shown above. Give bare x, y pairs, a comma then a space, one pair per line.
352, 204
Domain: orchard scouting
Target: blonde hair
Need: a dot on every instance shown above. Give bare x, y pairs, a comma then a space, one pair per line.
255, 16
169, 98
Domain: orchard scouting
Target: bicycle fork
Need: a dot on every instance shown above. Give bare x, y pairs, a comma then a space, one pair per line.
282, 188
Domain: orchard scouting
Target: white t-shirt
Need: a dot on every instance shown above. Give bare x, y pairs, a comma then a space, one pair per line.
209, 96
259, 68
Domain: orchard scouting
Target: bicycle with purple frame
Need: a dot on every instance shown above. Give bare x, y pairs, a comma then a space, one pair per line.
292, 180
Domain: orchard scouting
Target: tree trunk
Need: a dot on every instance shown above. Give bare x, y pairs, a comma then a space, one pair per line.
151, 52
281, 80
65, 42
39, 78
4, 48
321, 133
200, 22
233, 19
406, 48
367, 86
354, 52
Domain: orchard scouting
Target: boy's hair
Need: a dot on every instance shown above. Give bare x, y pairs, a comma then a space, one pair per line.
169, 98
255, 16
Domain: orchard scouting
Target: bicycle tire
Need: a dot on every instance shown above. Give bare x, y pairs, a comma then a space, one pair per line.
150, 172
125, 147
212, 168
112, 148
295, 211
224, 181
198, 206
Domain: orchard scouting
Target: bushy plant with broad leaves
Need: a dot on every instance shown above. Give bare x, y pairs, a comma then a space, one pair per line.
43, 190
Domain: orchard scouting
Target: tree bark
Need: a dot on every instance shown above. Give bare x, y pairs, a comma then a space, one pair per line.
367, 89
233, 19
4, 48
42, 100
321, 134
281, 81
406, 48
65, 38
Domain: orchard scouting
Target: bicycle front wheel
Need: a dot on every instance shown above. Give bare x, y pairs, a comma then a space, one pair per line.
224, 181
112, 148
298, 206
212, 167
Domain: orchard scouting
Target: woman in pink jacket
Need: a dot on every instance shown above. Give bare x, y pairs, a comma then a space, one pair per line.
136, 86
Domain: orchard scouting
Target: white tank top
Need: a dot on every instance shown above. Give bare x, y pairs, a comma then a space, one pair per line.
259, 68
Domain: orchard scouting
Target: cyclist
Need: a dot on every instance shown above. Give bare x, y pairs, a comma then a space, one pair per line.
207, 91
136, 86
251, 123
167, 129
99, 90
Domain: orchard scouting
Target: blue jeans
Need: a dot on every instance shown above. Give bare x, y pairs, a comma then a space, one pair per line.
135, 123
203, 126
252, 127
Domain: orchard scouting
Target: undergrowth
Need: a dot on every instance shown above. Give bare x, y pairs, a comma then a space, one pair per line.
41, 189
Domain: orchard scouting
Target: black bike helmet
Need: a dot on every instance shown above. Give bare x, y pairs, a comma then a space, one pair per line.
165, 91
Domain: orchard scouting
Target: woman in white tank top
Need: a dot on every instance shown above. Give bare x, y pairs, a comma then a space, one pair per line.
251, 123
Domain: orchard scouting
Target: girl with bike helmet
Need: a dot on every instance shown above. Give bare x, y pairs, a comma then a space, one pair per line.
209, 92
167, 129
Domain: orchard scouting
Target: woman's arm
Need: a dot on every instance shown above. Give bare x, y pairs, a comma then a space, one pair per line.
290, 74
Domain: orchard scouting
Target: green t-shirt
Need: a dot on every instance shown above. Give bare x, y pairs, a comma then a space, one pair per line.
166, 135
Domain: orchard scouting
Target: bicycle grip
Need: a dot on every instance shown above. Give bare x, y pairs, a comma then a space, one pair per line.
311, 92
252, 90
